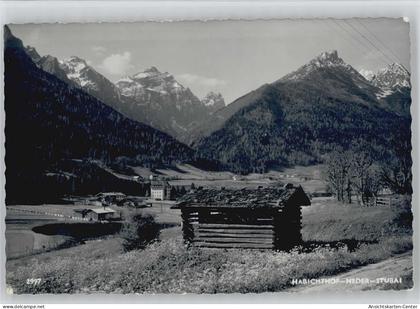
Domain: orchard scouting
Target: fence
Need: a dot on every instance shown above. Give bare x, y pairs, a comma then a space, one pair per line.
381, 201
37, 212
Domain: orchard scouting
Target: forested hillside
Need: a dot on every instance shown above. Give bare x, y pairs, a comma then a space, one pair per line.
302, 117
48, 121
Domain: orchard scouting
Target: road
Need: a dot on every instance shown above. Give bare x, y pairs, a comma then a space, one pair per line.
366, 277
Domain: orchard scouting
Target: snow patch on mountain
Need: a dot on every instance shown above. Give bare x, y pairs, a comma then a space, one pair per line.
393, 76
324, 60
391, 79
150, 97
151, 80
384, 93
77, 71
367, 74
213, 101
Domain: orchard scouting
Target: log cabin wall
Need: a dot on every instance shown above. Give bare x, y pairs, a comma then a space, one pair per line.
287, 227
241, 227
267, 218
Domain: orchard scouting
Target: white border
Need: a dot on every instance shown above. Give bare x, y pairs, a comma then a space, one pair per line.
110, 11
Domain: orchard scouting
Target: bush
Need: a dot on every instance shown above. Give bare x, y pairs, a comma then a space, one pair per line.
138, 231
401, 221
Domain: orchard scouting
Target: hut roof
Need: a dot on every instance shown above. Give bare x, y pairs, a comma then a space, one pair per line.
110, 194
270, 197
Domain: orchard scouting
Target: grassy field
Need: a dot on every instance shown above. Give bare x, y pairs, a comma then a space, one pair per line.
328, 220
309, 177
168, 266
21, 240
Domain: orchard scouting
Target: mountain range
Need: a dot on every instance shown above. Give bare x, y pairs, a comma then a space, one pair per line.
394, 87
65, 110
298, 119
158, 99
50, 122
151, 97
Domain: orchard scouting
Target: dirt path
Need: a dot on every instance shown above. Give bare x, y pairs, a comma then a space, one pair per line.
367, 277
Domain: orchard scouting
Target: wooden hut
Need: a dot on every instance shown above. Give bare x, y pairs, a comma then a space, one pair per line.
264, 218
100, 214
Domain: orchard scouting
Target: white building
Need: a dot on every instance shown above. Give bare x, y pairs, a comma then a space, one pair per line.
160, 190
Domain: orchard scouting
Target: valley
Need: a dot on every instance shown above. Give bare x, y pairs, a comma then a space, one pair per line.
130, 182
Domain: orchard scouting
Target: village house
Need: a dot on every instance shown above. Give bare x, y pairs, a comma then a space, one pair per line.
160, 190
100, 214
110, 197
263, 218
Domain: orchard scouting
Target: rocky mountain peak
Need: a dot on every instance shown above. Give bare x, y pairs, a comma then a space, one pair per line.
152, 69
158, 99
74, 64
10, 41
328, 59
75, 59
151, 73
152, 80
367, 74
32, 52
213, 101
47, 63
393, 76
86, 77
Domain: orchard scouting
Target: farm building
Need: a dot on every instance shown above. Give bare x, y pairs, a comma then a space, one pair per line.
110, 197
99, 214
264, 218
160, 190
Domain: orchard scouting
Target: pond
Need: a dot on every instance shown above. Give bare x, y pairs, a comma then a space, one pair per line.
79, 231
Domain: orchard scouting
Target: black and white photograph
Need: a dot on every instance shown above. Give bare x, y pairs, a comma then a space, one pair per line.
208, 157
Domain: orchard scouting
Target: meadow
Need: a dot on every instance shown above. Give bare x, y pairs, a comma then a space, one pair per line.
184, 174
170, 266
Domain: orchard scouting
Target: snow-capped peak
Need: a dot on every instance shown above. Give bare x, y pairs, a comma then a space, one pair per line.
397, 68
367, 74
152, 69
213, 100
80, 72
156, 98
150, 80
324, 60
327, 59
74, 64
393, 76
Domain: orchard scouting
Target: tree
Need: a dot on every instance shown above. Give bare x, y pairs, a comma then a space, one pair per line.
360, 172
396, 172
139, 230
397, 177
173, 193
373, 180
338, 175
182, 191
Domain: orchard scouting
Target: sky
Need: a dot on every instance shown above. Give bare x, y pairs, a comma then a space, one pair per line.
230, 57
